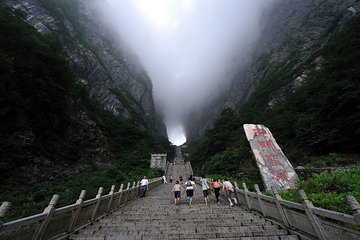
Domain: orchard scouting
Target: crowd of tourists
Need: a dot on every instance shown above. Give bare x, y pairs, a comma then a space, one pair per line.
190, 187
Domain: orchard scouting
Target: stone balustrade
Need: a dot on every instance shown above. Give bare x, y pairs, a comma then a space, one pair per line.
303, 218
59, 223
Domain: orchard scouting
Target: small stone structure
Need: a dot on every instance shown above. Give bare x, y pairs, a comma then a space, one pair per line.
158, 160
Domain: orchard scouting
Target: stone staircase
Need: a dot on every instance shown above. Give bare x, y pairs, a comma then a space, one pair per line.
157, 217
178, 170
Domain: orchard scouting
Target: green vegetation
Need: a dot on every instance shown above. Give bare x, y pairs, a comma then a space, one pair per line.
68, 10
320, 118
329, 191
332, 160
35, 84
225, 151
32, 198
39, 98
325, 190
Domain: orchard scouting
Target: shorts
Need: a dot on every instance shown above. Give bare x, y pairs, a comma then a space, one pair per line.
177, 194
229, 194
205, 192
190, 192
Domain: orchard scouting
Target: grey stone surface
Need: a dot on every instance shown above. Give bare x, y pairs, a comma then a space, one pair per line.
292, 31
158, 160
114, 76
275, 169
157, 217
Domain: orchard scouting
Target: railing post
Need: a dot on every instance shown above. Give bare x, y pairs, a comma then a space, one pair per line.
127, 192
3, 209
137, 188
133, 191
111, 193
248, 203
280, 208
79, 202
313, 219
261, 203
236, 193
355, 207
120, 195
49, 210
98, 197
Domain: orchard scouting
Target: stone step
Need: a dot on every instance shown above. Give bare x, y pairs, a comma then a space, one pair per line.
279, 234
127, 237
186, 209
182, 220
233, 211
233, 231
170, 204
183, 207
157, 217
110, 222
236, 235
285, 237
187, 228
182, 216
173, 225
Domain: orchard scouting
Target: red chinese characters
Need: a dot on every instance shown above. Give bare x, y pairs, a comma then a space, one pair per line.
282, 175
269, 154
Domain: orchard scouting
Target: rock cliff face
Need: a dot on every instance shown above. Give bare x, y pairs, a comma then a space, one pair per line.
113, 76
291, 35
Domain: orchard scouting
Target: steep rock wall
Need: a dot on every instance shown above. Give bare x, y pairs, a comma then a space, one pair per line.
292, 32
114, 77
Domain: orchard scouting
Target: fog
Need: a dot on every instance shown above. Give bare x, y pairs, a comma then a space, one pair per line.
188, 47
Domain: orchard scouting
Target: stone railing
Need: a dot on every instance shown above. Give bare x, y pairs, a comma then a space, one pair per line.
190, 168
59, 223
304, 219
166, 168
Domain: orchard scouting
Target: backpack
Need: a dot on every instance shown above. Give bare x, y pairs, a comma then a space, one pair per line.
188, 184
216, 185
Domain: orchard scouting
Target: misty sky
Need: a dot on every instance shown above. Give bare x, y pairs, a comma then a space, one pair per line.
188, 47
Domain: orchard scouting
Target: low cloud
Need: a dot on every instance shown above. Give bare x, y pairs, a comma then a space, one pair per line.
188, 47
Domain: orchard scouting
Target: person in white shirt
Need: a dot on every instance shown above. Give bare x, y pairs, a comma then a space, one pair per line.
144, 185
205, 188
229, 190
190, 189
164, 179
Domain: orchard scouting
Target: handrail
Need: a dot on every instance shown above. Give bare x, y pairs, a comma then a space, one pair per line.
303, 218
61, 222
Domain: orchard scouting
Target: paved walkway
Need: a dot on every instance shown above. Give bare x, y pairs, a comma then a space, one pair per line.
157, 217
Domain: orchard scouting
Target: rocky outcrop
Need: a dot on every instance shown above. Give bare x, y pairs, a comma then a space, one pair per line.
81, 145
115, 77
292, 33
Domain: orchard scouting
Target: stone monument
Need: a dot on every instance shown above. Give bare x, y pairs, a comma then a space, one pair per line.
275, 169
